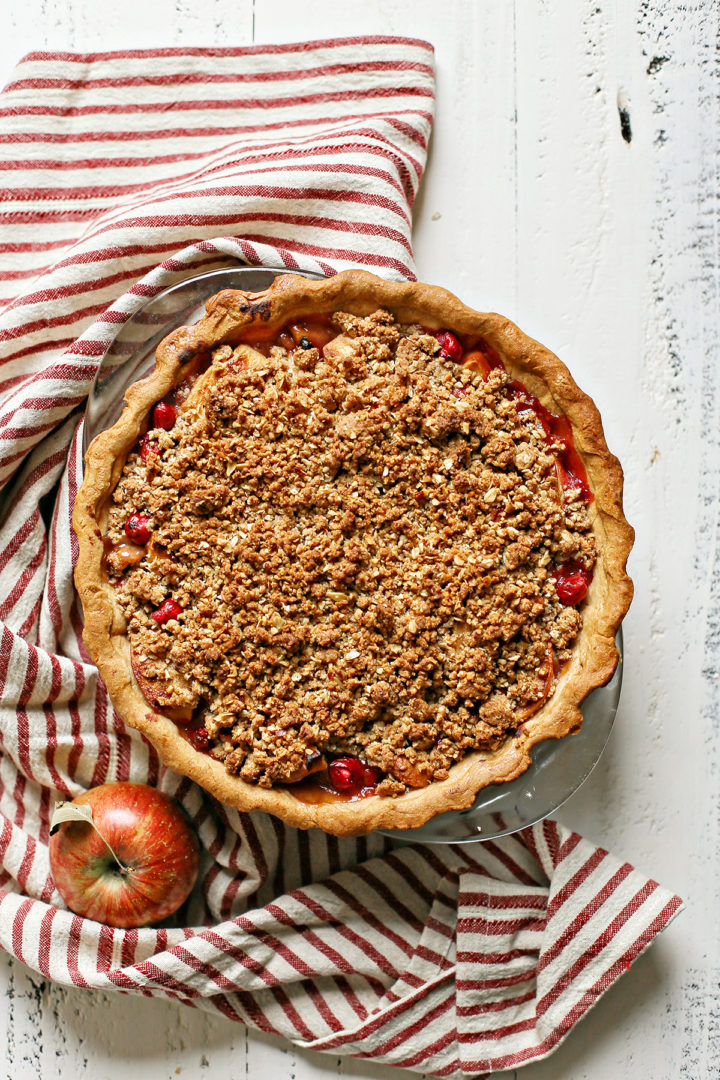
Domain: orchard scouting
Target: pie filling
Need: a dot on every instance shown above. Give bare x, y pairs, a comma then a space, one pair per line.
351, 555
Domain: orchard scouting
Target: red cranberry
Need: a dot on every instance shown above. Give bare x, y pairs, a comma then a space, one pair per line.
450, 347
572, 581
137, 528
371, 776
199, 738
164, 415
573, 589
169, 609
149, 448
346, 774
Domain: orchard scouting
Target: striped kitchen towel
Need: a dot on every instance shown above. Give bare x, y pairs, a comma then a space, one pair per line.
451, 960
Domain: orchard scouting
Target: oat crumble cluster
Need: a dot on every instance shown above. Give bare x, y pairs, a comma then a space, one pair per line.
361, 546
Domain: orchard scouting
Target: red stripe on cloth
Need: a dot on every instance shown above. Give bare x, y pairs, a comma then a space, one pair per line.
344, 254
509, 863
431, 956
129, 943
20, 433
17, 928
73, 951
45, 941
401, 867
31, 672
52, 743
292, 1014
575, 881
25, 868
231, 104
51, 590
250, 1013
19, 538
502, 902
333, 853
206, 78
23, 581
104, 746
501, 982
26, 627
205, 132
7, 639
303, 842
76, 316
16, 247
105, 949
496, 927
324, 1011
440, 928
78, 743
5, 835
551, 837
567, 847
351, 997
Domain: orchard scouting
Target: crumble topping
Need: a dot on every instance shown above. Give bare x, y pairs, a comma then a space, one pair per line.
361, 544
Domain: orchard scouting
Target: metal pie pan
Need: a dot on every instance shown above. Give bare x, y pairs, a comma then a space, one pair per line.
559, 766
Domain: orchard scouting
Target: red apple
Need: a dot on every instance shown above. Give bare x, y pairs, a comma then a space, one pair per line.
142, 866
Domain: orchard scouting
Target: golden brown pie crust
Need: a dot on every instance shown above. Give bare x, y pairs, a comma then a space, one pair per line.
230, 315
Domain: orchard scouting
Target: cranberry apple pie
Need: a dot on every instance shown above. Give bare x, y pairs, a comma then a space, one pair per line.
351, 550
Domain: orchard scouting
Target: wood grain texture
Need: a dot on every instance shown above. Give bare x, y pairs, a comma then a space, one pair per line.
573, 185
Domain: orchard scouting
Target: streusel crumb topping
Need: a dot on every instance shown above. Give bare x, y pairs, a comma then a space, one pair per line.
360, 546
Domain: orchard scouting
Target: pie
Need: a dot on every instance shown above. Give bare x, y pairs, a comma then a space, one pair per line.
351, 550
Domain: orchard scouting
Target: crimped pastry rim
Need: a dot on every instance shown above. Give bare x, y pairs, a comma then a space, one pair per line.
594, 659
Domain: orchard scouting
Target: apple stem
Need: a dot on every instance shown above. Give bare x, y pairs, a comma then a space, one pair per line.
121, 866
66, 811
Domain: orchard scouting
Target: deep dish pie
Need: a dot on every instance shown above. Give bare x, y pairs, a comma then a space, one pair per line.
351, 550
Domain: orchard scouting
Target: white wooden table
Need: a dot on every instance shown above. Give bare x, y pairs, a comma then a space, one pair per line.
606, 248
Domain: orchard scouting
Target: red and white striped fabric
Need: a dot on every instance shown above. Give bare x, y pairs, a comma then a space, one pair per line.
450, 961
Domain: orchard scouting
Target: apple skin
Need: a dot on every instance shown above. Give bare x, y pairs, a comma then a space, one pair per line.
153, 838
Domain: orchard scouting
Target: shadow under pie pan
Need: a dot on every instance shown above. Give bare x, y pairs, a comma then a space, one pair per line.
558, 765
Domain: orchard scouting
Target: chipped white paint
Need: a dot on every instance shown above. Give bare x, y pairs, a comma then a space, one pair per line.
534, 204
